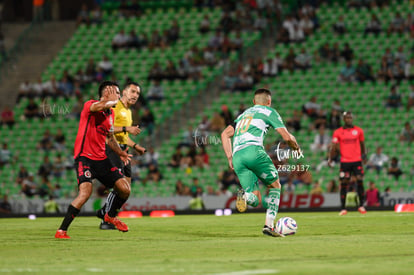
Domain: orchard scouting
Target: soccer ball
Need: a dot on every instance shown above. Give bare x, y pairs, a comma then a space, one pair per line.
286, 226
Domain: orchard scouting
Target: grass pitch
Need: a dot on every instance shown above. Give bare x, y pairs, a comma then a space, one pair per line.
375, 243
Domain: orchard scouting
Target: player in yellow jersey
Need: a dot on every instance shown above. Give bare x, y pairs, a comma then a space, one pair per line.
122, 128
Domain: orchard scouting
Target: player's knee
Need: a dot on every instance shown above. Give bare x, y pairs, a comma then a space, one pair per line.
275, 184
123, 188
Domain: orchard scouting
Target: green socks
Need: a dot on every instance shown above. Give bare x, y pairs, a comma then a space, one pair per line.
272, 202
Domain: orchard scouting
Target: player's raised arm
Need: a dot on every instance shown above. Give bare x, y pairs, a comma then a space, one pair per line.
226, 143
109, 98
141, 150
123, 155
289, 138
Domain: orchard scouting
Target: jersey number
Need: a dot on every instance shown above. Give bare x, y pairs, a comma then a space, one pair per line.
244, 124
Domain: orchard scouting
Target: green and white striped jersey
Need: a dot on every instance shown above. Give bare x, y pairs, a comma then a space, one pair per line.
252, 125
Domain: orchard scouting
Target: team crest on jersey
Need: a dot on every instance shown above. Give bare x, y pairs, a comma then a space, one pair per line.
88, 174
354, 132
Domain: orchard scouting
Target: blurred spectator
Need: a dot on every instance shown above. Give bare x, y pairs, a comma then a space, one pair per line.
204, 127
188, 138
321, 141
320, 120
270, 67
65, 87
397, 24
226, 23
401, 56
407, 134
83, 15
205, 24
325, 52
58, 167
372, 195
22, 174
335, 53
31, 110
176, 158
396, 71
311, 108
289, 188
301, 176
25, 90
29, 186
347, 53
90, 69
394, 168
130, 9
294, 122
196, 202
410, 101
226, 114
340, 26
180, 188
77, 108
377, 160
173, 33
290, 60
334, 120
332, 187
228, 178
394, 98
153, 174
347, 73
133, 40
336, 105
316, 189
306, 25
194, 186
170, 72
409, 69
155, 92
297, 35
303, 60
148, 121
50, 88
7, 117
241, 109
373, 26
106, 66
5, 155
364, 72
151, 157
120, 40
217, 123
96, 15
46, 168
46, 142
244, 83
135, 170
5, 206
156, 72
203, 158
50, 206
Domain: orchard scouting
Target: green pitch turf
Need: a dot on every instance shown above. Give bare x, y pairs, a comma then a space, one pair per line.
376, 243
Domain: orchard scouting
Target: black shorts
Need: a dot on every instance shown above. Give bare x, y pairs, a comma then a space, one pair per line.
125, 169
102, 170
347, 169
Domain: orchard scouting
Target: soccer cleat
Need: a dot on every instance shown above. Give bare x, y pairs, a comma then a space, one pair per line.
362, 210
100, 214
241, 203
271, 232
118, 223
343, 212
106, 226
61, 234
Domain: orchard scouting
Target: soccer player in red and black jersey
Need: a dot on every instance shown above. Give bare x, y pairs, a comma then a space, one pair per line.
349, 140
95, 128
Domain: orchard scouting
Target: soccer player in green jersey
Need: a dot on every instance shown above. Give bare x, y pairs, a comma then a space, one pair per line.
249, 160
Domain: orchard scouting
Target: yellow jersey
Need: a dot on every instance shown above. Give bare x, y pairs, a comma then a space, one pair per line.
123, 117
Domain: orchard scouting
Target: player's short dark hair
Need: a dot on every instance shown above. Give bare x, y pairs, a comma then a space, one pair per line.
105, 84
129, 83
262, 91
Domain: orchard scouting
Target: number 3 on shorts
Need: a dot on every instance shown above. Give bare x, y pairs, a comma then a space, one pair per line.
244, 125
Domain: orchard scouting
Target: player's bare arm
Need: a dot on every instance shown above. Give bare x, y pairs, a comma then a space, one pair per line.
133, 130
363, 151
334, 149
109, 99
226, 136
289, 138
141, 150
123, 155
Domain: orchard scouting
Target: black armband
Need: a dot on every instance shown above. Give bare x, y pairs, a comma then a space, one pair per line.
124, 129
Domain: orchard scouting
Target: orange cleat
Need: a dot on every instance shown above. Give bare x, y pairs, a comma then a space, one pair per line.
61, 234
362, 210
343, 212
118, 223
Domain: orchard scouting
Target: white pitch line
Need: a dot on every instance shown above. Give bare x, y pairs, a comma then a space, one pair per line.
250, 272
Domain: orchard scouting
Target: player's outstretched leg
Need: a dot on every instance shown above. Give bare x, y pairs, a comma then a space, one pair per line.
342, 194
272, 208
121, 194
105, 208
361, 193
